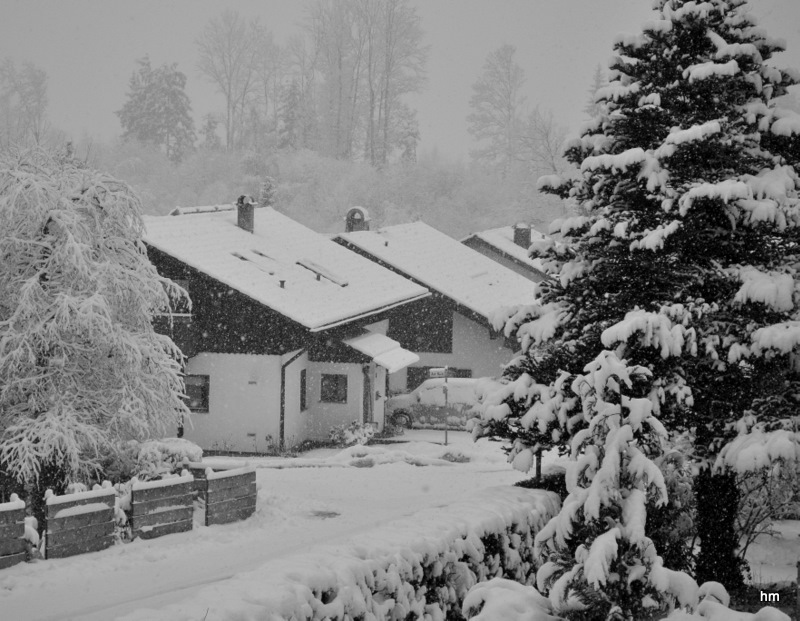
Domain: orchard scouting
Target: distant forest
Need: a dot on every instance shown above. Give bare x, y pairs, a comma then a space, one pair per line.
325, 116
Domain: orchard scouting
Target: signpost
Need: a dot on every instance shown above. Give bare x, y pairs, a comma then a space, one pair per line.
444, 372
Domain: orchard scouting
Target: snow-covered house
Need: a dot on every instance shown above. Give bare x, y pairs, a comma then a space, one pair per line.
508, 245
277, 338
453, 326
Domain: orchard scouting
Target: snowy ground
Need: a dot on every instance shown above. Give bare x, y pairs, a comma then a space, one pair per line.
773, 560
325, 496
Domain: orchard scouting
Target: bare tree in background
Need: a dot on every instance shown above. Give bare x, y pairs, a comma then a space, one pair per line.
369, 55
599, 80
541, 144
271, 74
497, 104
23, 103
229, 48
297, 109
337, 52
404, 60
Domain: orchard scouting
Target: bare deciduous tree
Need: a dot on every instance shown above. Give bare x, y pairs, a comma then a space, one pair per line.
369, 55
541, 144
229, 48
497, 104
23, 103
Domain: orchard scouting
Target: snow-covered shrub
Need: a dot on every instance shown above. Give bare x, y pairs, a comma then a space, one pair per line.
148, 460
166, 456
118, 462
713, 606
504, 599
352, 433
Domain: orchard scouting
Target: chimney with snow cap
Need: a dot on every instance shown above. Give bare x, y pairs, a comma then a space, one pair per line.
245, 215
357, 219
522, 235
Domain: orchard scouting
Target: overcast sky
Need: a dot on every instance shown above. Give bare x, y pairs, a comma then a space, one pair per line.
88, 48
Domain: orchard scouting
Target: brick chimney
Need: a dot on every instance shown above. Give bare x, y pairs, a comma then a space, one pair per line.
522, 235
357, 219
244, 210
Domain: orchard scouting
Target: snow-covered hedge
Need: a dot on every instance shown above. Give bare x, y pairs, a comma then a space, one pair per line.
510, 601
419, 566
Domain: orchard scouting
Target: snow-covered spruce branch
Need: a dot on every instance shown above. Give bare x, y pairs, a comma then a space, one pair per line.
599, 561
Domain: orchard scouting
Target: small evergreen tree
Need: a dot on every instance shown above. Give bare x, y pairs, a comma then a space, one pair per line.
211, 140
599, 562
685, 261
158, 109
291, 123
80, 364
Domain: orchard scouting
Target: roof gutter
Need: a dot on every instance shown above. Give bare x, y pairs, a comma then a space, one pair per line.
282, 426
346, 320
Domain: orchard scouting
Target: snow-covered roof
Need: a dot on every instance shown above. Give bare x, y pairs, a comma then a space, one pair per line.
283, 265
502, 239
445, 265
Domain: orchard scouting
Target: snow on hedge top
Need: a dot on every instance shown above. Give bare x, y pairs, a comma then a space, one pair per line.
445, 265
52, 499
286, 586
502, 239
226, 474
282, 264
185, 477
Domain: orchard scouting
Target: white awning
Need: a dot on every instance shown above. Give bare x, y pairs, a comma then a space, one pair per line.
384, 351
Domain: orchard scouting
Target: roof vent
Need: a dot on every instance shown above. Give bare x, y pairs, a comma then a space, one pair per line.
522, 235
357, 219
245, 216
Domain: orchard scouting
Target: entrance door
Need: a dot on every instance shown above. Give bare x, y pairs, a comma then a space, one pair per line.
367, 394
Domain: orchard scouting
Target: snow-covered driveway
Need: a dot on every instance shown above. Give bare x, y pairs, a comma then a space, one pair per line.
325, 496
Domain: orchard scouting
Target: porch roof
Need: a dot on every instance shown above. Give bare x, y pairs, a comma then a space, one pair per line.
384, 351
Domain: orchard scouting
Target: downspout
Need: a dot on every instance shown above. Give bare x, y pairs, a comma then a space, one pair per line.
283, 395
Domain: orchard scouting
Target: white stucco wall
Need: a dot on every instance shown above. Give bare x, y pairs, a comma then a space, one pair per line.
323, 416
244, 402
473, 348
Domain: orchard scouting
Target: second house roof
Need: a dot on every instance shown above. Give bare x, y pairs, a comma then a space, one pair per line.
444, 265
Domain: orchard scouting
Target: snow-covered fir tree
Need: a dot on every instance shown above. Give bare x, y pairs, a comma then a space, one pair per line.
685, 263
158, 109
80, 363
